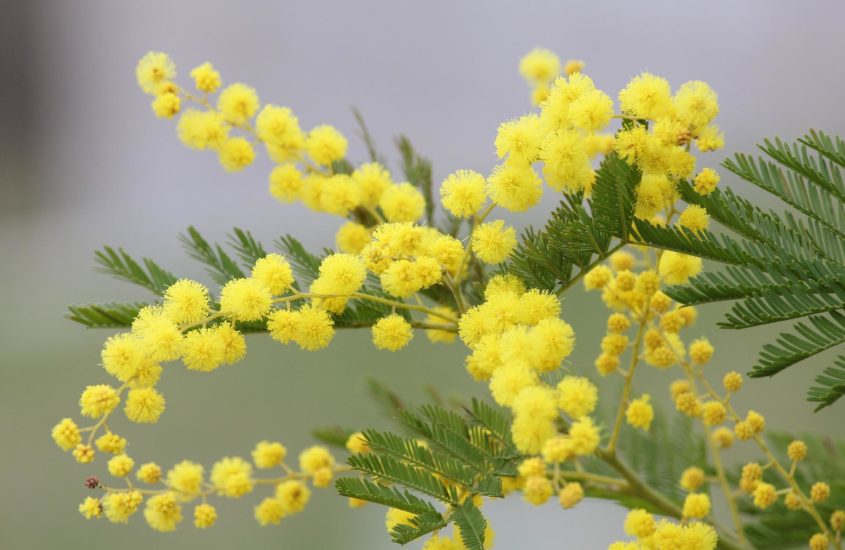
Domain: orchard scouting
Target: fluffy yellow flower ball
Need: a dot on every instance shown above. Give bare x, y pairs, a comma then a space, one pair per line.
402, 203
325, 144
462, 193
238, 103
186, 301
640, 413
676, 268
577, 396
232, 477
154, 69
206, 78
245, 299
98, 400
392, 332
539, 66
144, 405
493, 242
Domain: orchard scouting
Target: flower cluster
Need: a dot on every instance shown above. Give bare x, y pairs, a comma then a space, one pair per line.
163, 494
420, 277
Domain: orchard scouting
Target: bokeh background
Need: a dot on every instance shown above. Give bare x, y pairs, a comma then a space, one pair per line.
84, 163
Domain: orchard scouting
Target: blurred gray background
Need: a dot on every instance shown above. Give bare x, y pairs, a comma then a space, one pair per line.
83, 163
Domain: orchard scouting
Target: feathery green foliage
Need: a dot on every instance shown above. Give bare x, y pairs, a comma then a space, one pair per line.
778, 265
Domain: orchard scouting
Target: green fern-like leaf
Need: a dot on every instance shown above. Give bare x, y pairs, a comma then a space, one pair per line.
219, 265
468, 518
145, 273
108, 315
363, 489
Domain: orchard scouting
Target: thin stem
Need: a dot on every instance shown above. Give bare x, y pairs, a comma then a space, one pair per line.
806, 503
626, 389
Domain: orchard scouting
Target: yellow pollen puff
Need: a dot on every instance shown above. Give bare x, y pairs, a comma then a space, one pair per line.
149, 473
166, 105
314, 458
493, 242
314, 328
205, 515
232, 477
622, 261
537, 490
206, 78
606, 363
797, 451
144, 405
120, 465
186, 301
235, 154
352, 237
202, 130
293, 496
238, 103
269, 512
515, 186
676, 268
625, 280
692, 478
688, 404
837, 520
402, 202
639, 523
98, 400
122, 355
245, 299
732, 382
743, 430
186, 478
592, 111
112, 443
520, 140
646, 96
154, 69
765, 495
571, 494
574, 66
66, 434
203, 349
723, 437
269, 454
820, 491
372, 179
672, 322
614, 344
557, 449
343, 274
577, 396
696, 506
701, 350
91, 508
325, 145
660, 302
694, 218
357, 444
598, 277
392, 332
640, 413
706, 181
84, 454
531, 467
539, 66
618, 323
119, 506
584, 436
462, 193
274, 272
819, 541
713, 413
286, 183
756, 421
